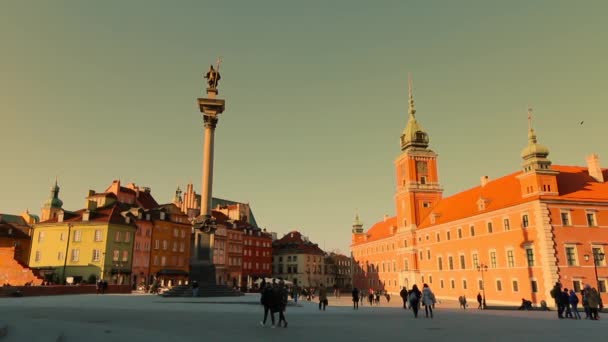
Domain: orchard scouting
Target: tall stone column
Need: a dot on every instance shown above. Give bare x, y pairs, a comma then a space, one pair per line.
201, 263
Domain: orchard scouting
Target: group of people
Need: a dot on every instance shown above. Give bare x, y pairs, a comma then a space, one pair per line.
567, 302
411, 299
101, 286
274, 299
373, 297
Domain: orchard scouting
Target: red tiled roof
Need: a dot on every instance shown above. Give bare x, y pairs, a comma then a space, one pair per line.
146, 200
108, 214
574, 183
294, 241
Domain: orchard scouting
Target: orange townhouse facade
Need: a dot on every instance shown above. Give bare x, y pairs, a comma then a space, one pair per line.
509, 239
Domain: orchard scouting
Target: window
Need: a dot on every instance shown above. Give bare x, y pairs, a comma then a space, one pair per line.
75, 255
96, 255
462, 264
524, 221
515, 286
493, 259
406, 265
183, 233
475, 260
490, 229
77, 236
498, 285
459, 233
165, 244
464, 284
480, 284
565, 218
530, 256
175, 232
472, 230
156, 244
38, 255
440, 263
510, 258
182, 246
156, 260
601, 285
441, 283
60, 256
125, 255
428, 254
437, 237
597, 251
98, 235
420, 255
115, 255
571, 256
591, 219
62, 236
447, 235
506, 224
576, 285
117, 236
534, 286
174, 246
163, 261
451, 263
40, 236
452, 283
127, 236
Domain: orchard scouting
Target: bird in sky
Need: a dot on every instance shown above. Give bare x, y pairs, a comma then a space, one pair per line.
582, 122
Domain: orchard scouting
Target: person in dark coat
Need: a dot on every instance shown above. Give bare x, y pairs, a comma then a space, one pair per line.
355, 298
282, 302
403, 295
414, 299
267, 301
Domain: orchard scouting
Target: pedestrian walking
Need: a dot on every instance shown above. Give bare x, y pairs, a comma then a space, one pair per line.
403, 295
414, 299
322, 297
282, 299
479, 300
594, 300
267, 301
355, 298
573, 299
428, 300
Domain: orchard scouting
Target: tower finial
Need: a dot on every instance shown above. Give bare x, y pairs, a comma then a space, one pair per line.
529, 117
412, 109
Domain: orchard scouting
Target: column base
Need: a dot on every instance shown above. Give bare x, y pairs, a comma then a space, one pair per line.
203, 273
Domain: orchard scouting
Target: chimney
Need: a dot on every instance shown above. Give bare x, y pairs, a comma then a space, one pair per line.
593, 165
385, 217
485, 180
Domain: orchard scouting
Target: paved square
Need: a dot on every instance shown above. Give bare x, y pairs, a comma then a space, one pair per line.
150, 318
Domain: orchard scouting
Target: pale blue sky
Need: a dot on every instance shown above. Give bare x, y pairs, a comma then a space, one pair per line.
316, 95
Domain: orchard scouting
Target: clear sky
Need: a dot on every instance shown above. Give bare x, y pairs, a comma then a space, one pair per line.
316, 95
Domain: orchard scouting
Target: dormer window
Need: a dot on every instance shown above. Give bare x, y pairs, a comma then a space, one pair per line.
162, 215
423, 180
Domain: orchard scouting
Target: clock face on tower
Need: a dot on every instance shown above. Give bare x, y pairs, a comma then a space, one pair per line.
422, 168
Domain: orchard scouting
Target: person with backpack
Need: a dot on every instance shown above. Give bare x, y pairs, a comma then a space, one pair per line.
556, 295
573, 299
414, 299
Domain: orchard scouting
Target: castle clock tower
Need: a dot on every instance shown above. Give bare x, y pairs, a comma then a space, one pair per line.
418, 188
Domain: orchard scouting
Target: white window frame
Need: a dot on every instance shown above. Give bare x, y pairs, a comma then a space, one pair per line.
576, 260
569, 217
512, 250
38, 256
593, 214
96, 255
98, 235
506, 227
75, 255
77, 235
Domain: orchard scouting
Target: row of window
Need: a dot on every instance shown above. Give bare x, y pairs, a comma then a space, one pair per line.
567, 219
249, 266
249, 242
162, 260
96, 255
248, 252
98, 236
182, 245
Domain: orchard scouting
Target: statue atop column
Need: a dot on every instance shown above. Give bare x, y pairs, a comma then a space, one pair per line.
213, 75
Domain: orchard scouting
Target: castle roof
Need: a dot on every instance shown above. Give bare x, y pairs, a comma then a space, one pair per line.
294, 242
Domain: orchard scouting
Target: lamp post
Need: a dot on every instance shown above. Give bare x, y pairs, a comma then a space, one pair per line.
483, 268
597, 258
65, 259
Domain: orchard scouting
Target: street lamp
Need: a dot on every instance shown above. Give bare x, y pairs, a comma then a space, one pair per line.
597, 258
483, 268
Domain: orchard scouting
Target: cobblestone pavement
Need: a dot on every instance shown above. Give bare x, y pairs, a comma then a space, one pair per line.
93, 318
